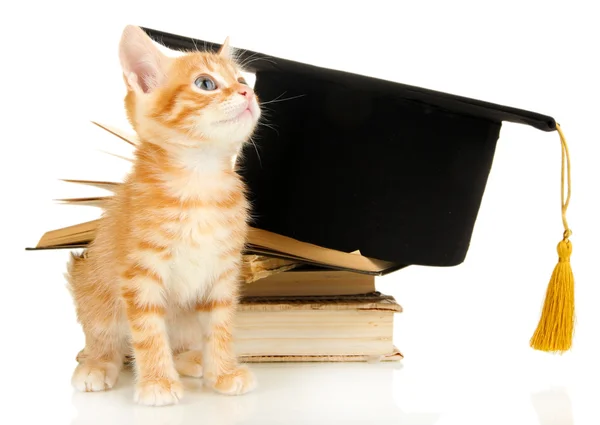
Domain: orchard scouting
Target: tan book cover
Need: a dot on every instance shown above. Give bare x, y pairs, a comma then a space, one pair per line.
394, 356
303, 282
259, 242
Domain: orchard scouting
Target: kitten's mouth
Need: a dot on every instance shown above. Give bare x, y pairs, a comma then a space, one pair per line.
246, 113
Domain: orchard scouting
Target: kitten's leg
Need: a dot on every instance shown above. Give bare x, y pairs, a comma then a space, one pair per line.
189, 363
222, 372
100, 361
157, 380
186, 340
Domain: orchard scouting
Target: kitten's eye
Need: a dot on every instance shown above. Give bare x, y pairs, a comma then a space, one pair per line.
205, 83
242, 81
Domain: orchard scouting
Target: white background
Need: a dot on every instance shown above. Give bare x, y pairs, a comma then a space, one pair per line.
465, 330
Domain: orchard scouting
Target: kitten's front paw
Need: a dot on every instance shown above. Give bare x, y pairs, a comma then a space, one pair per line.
240, 381
89, 377
158, 392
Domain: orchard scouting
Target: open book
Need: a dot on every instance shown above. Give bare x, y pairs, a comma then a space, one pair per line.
259, 242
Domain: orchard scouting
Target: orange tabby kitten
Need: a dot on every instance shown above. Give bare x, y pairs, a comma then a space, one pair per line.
160, 280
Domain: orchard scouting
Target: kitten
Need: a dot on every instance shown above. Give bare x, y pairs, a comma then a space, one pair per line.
160, 280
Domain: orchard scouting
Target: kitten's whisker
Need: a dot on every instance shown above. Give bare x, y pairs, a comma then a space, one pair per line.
269, 126
252, 58
282, 100
256, 59
270, 101
246, 59
265, 109
257, 153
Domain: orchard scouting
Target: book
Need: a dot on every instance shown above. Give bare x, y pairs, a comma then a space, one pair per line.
338, 328
260, 242
302, 281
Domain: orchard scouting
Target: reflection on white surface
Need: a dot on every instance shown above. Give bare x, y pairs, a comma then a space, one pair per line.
553, 407
291, 394
342, 393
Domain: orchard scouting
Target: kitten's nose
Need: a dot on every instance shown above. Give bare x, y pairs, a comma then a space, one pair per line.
246, 91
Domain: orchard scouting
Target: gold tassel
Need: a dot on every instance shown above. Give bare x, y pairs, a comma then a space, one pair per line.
554, 332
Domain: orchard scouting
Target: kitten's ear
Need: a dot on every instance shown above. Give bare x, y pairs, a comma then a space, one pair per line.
144, 66
225, 49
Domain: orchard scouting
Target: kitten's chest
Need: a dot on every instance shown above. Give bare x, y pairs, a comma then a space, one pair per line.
192, 272
208, 242
207, 227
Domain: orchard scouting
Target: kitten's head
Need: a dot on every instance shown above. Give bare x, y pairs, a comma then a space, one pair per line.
192, 100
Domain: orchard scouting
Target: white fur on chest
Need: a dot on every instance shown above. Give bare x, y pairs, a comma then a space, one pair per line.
192, 273
204, 235
199, 255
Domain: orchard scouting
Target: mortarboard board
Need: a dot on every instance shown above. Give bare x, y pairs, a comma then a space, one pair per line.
352, 162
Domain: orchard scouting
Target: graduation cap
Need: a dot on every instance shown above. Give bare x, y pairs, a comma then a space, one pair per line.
351, 162
395, 170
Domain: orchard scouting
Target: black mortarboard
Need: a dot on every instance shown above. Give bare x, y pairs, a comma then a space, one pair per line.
352, 162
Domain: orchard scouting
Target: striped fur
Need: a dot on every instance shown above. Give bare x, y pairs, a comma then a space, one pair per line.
160, 280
